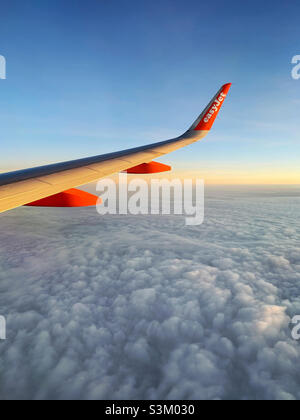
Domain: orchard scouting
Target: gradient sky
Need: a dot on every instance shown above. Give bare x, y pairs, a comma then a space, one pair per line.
94, 76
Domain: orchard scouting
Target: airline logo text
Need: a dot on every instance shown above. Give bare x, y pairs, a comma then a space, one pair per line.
216, 107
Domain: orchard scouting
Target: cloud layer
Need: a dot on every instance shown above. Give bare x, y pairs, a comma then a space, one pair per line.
145, 307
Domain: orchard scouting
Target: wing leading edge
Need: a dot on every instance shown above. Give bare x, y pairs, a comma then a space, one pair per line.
29, 185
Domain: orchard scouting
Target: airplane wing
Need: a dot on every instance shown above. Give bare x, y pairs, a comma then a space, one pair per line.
44, 185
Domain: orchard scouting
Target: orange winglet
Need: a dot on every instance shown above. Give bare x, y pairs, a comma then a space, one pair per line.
149, 168
69, 198
209, 117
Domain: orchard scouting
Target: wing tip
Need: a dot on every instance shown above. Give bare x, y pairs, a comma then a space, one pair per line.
226, 87
208, 116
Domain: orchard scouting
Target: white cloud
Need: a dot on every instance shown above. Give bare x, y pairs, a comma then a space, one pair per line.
145, 307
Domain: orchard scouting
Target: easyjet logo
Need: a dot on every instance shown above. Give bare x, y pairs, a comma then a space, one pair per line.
215, 108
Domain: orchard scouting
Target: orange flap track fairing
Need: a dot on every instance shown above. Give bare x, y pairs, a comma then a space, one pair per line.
69, 198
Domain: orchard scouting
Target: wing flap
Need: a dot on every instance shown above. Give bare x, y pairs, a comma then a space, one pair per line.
7, 191
73, 175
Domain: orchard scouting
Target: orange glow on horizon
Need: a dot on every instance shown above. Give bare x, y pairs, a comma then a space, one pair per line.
223, 175
230, 177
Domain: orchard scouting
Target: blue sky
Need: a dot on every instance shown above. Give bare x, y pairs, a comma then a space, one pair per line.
90, 77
